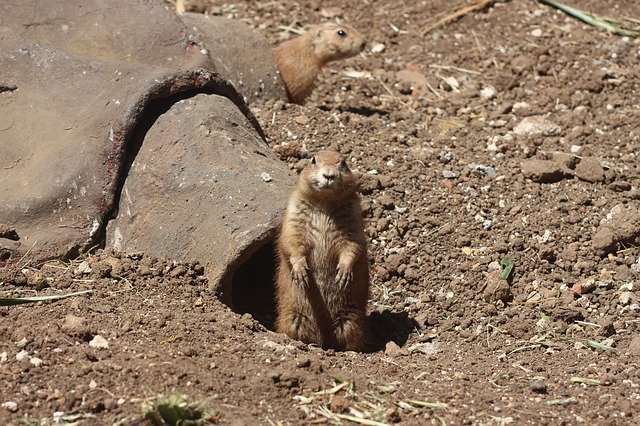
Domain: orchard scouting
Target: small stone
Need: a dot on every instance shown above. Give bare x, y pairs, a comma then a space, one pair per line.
392, 415
83, 268
539, 386
447, 174
36, 362
11, 406
377, 48
74, 325
301, 119
585, 286
496, 289
99, 342
427, 348
536, 125
386, 202
339, 404
488, 93
590, 170
93, 384
536, 32
544, 171
266, 177
3, 357
22, 355
483, 170
392, 349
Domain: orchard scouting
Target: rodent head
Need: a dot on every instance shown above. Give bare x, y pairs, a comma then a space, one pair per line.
327, 177
333, 41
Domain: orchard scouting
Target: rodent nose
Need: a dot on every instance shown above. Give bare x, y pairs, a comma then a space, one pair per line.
362, 45
329, 176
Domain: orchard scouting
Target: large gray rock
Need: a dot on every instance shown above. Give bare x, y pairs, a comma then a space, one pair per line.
240, 54
202, 187
92, 90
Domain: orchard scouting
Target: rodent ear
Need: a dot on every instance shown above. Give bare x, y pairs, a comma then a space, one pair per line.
313, 160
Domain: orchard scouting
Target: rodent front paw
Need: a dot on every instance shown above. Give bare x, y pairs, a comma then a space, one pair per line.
344, 277
299, 275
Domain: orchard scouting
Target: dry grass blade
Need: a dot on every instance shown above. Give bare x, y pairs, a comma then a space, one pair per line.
459, 13
367, 422
586, 381
426, 404
10, 301
562, 401
609, 24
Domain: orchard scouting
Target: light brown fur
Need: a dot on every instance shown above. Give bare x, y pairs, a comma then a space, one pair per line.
323, 275
300, 60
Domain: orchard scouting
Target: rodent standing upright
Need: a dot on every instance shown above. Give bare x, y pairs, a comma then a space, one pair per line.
323, 275
300, 60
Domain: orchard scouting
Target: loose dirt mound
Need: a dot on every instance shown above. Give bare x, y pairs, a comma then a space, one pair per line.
442, 128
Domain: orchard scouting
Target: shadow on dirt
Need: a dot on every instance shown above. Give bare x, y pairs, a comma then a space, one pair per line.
387, 326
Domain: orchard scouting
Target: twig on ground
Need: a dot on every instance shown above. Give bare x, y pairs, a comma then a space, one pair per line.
459, 13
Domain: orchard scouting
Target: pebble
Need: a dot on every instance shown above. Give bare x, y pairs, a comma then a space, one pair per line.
74, 325
392, 349
483, 170
539, 386
83, 268
266, 177
378, 48
590, 170
11, 406
448, 174
585, 286
22, 355
537, 32
3, 357
99, 342
488, 93
36, 362
544, 171
427, 348
536, 125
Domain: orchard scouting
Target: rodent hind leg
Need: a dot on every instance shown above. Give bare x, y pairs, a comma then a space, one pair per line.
299, 326
351, 331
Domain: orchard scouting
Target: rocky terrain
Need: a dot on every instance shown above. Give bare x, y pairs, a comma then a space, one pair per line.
498, 157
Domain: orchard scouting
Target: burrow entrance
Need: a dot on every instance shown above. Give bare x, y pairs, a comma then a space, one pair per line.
253, 286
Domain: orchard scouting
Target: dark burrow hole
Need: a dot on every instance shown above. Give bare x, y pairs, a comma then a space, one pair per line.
253, 286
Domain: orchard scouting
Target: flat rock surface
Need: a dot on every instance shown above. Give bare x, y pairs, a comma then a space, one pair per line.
544, 355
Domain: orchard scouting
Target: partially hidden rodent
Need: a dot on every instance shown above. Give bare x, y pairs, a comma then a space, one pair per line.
323, 275
300, 60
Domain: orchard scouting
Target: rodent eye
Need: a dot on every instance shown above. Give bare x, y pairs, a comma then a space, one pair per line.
342, 33
343, 164
313, 160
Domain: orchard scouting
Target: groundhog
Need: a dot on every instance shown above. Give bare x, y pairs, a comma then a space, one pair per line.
323, 275
300, 60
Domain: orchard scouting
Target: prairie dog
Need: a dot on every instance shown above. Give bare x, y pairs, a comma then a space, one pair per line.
300, 60
323, 275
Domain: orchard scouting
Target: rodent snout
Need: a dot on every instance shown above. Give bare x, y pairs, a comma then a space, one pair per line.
329, 175
362, 45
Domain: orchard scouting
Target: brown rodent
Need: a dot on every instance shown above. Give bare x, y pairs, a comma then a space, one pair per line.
300, 60
323, 275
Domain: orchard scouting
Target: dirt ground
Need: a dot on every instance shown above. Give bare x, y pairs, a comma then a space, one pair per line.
511, 134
